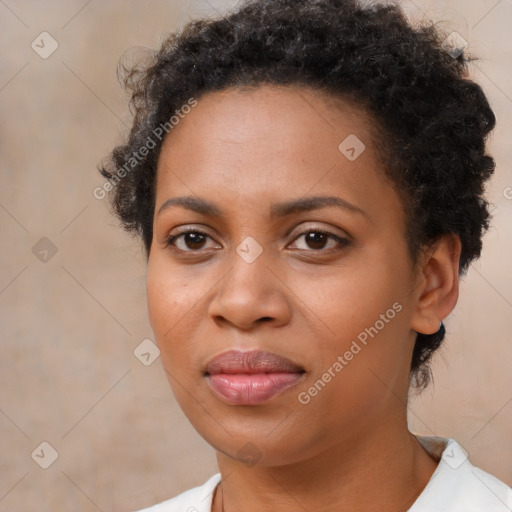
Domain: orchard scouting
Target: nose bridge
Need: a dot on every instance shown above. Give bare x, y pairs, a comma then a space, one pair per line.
250, 290
249, 275
249, 262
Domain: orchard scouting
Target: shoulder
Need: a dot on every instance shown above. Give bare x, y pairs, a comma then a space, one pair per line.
198, 499
457, 485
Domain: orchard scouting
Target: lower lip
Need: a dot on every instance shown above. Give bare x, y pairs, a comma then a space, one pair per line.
251, 389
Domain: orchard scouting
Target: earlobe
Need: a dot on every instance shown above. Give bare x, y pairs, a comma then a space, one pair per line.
438, 288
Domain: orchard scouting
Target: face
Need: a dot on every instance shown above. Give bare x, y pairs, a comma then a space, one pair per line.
280, 291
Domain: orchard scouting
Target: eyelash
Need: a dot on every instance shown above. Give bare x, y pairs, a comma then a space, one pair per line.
342, 241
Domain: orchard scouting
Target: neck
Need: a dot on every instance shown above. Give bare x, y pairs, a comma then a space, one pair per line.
386, 470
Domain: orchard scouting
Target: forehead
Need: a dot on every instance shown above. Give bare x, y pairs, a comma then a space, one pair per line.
291, 122
268, 142
241, 114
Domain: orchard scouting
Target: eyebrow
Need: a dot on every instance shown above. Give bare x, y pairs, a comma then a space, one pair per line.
303, 204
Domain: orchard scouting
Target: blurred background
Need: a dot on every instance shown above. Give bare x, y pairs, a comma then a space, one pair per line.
87, 419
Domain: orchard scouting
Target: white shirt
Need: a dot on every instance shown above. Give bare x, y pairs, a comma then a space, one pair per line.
455, 486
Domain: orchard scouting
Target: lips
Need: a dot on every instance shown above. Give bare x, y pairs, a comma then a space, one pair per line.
250, 377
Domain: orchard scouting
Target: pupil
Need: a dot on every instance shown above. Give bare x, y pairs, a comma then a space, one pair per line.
194, 240
316, 240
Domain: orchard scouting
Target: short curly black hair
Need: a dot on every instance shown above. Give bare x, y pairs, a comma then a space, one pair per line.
433, 120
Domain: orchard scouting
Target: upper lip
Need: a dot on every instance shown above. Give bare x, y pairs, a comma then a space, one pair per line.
250, 362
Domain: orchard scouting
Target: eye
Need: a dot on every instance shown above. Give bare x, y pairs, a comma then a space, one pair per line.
190, 241
320, 240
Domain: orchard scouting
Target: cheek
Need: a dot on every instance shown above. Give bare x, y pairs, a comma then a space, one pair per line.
170, 293
352, 298
173, 313
363, 311
170, 298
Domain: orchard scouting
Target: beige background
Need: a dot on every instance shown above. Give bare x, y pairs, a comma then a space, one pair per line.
68, 374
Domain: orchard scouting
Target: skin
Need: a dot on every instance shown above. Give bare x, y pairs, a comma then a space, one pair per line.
349, 448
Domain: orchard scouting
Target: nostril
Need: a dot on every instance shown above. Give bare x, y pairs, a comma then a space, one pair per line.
265, 319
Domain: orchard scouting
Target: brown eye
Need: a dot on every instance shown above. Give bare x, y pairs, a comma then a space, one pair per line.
316, 240
319, 240
194, 240
189, 241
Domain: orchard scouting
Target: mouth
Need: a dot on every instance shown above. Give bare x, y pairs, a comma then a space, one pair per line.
251, 377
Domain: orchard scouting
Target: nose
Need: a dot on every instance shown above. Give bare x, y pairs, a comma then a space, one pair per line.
250, 294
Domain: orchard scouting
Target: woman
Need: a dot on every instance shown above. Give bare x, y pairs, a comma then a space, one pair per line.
307, 179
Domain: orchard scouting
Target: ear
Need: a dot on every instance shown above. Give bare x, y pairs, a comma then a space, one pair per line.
437, 288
